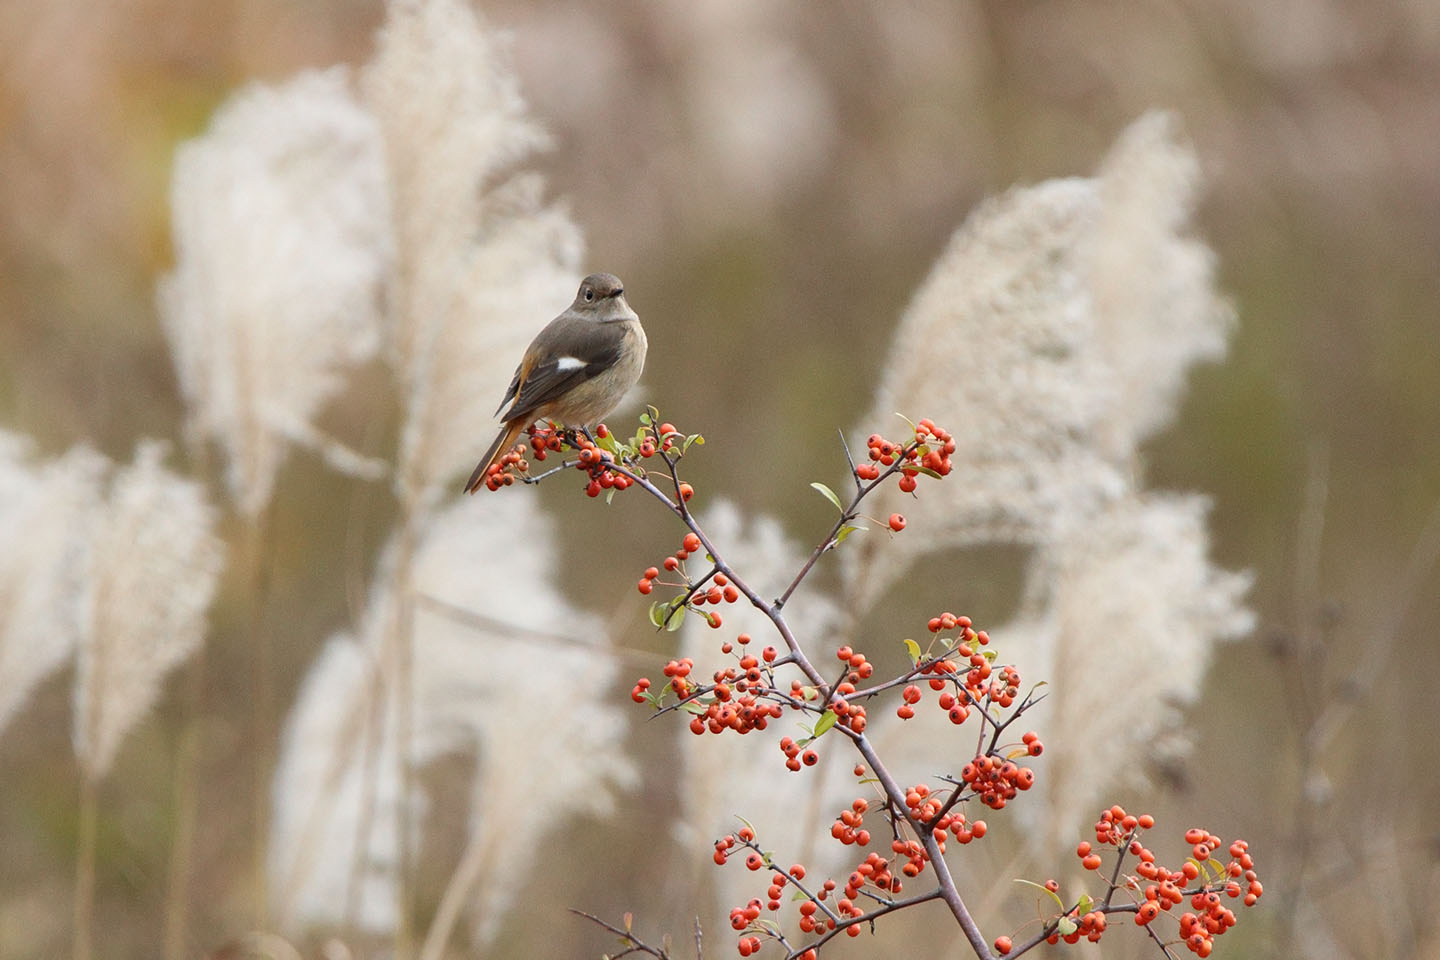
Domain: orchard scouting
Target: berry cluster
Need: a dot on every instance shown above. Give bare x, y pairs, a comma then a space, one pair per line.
598, 458
995, 781
1201, 879
875, 878
1168, 888
927, 452
597, 463
965, 677
694, 593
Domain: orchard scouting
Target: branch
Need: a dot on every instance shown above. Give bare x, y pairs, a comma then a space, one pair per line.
631, 942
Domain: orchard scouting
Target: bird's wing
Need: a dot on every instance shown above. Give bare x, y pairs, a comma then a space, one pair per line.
514, 388
569, 351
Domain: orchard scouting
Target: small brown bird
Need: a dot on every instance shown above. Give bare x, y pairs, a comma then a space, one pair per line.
575, 370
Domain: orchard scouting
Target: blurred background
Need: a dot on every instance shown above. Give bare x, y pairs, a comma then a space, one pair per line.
773, 182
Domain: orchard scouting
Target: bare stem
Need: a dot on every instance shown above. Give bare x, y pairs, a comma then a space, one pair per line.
85, 869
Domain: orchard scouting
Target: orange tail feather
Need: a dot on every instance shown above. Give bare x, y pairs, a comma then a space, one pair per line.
502, 443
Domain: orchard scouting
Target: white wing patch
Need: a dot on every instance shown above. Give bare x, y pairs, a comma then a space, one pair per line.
568, 363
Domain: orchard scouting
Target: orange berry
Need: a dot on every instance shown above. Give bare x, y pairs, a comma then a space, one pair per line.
897, 522
686, 491
1002, 945
644, 585
691, 543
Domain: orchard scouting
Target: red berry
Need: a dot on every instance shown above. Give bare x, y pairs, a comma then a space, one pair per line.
897, 522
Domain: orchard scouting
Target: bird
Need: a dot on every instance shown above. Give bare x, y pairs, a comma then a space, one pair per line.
576, 370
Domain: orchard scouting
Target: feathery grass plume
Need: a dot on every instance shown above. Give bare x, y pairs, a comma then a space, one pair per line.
46, 510
1152, 285
153, 563
482, 260
476, 690
1124, 610
1070, 312
325, 770
726, 775
282, 237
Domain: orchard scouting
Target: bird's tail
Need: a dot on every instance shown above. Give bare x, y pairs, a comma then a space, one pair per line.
502, 443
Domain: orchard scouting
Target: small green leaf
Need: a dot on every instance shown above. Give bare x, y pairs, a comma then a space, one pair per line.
1086, 904
694, 438
609, 444
1018, 752
989, 655
1066, 926
676, 618
825, 723
809, 693
845, 531
609, 495
645, 419
933, 474
657, 612
1043, 889
828, 494
913, 649
694, 706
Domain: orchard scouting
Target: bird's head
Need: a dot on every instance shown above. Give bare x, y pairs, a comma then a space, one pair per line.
602, 296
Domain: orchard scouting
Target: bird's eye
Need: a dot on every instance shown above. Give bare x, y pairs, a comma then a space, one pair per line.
589, 294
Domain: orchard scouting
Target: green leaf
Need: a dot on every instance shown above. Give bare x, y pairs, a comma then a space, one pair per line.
809, 693
845, 531
1045, 890
694, 438
645, 419
745, 822
1066, 926
913, 649
828, 494
657, 612
989, 655
825, 723
609, 444
676, 618
933, 474
694, 706
609, 495
1086, 904
1017, 752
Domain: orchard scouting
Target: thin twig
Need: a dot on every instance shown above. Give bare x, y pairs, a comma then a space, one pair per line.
633, 944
